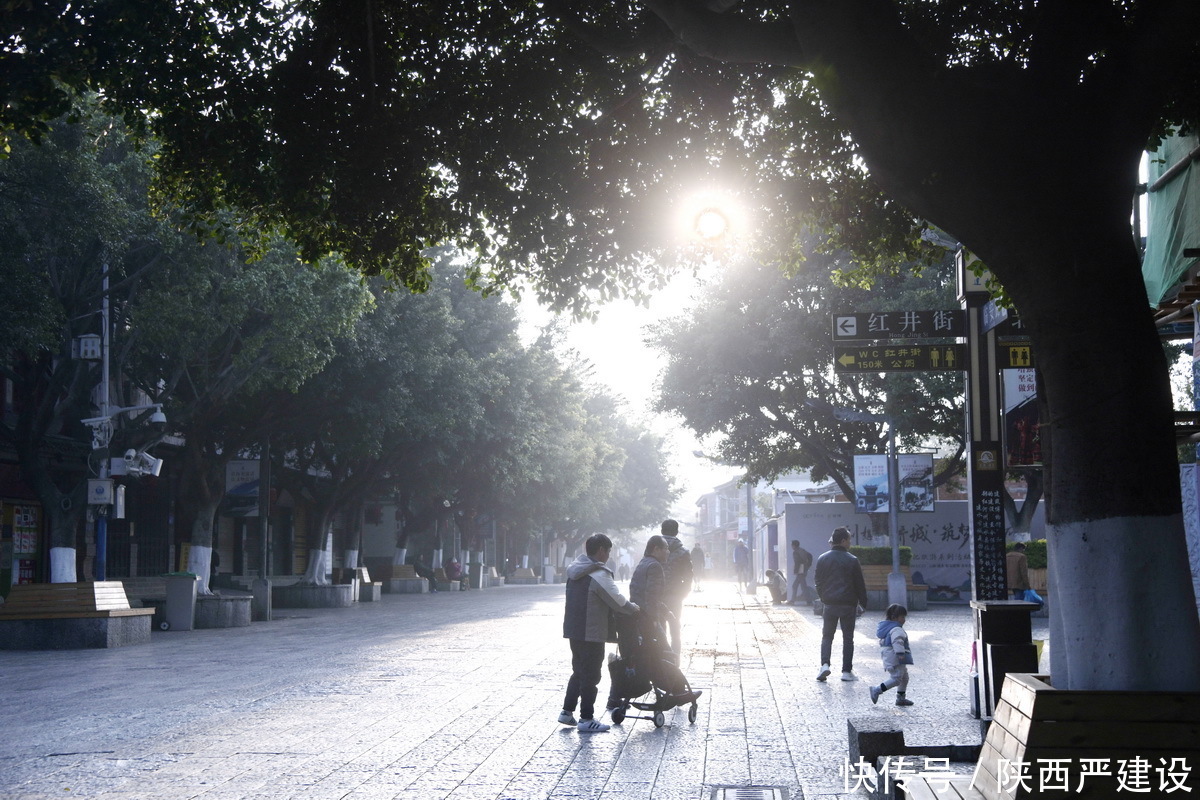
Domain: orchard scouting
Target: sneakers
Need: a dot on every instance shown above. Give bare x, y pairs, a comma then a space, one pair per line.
824, 672
903, 701
591, 726
875, 692
566, 718
849, 676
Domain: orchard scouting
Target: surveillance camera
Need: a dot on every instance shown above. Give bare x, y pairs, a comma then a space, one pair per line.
139, 464
151, 465
158, 417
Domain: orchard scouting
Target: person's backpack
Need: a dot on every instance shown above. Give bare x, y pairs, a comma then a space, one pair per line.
679, 573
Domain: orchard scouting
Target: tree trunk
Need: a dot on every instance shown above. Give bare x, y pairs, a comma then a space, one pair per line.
201, 489
1021, 520
318, 562
1122, 616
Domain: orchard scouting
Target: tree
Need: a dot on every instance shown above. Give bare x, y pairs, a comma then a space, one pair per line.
751, 364
214, 330
364, 135
68, 210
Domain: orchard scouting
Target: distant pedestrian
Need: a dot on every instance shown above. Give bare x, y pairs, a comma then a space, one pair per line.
741, 564
1017, 566
896, 654
679, 581
777, 584
592, 596
697, 567
423, 570
843, 592
801, 563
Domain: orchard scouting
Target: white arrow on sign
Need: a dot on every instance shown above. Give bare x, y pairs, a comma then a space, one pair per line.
847, 326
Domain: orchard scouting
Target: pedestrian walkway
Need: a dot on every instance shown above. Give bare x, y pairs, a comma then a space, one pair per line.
454, 695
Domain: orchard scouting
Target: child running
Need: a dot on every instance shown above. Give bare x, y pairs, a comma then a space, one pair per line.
893, 647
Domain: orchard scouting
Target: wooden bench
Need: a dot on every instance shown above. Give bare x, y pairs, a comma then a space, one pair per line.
1038, 725
54, 616
876, 578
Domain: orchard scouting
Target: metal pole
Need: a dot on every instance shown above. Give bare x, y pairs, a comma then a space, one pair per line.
897, 587
753, 582
101, 567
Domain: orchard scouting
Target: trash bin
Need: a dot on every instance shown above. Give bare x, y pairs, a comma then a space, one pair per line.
181, 601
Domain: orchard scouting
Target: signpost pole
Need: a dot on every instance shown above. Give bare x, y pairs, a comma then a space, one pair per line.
897, 587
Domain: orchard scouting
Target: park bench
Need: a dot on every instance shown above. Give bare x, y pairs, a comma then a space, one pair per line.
876, 577
59, 616
1093, 743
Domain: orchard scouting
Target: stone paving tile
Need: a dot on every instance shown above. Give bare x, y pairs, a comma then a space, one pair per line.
419, 697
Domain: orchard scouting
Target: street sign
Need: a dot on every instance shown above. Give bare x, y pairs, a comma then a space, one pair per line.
890, 358
870, 325
1014, 355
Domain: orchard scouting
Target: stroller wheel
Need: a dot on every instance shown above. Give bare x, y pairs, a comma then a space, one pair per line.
692, 714
618, 716
660, 719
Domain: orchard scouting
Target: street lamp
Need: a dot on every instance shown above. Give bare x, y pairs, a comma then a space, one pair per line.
897, 586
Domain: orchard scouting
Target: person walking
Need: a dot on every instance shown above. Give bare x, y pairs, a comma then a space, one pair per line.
843, 593
697, 567
592, 595
1017, 567
741, 564
801, 563
648, 591
679, 579
895, 652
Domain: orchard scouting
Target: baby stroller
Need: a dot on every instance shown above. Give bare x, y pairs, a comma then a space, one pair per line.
644, 666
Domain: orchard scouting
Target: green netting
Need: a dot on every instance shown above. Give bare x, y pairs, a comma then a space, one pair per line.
1173, 219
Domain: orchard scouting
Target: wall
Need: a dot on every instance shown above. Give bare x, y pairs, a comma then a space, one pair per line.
940, 540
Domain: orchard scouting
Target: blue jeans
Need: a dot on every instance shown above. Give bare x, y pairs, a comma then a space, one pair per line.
834, 616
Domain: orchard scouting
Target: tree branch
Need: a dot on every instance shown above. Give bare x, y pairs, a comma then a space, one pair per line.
729, 37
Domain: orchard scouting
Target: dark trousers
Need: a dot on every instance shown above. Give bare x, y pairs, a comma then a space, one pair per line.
801, 591
834, 616
587, 662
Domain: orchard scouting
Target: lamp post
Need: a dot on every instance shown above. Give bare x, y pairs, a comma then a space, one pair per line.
102, 432
897, 587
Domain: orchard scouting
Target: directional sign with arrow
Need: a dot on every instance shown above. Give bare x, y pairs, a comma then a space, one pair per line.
891, 358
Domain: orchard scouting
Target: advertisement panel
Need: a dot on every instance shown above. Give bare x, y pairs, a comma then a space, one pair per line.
870, 484
915, 471
1022, 438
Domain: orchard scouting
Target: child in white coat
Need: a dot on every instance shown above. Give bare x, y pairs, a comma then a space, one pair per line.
893, 647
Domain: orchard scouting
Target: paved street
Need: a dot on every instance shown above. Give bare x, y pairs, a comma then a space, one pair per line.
454, 695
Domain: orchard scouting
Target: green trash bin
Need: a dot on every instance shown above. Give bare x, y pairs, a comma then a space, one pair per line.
180, 614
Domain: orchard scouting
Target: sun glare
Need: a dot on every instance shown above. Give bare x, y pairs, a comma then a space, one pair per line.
712, 218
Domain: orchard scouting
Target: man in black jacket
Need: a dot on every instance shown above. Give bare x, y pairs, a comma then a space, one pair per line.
843, 590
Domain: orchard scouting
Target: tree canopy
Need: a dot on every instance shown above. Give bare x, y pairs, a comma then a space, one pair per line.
563, 142
752, 364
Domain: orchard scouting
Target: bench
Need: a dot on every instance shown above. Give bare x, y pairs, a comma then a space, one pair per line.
60, 616
876, 577
1038, 725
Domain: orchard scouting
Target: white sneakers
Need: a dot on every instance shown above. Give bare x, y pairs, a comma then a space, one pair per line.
875, 692
824, 672
591, 726
849, 676
566, 718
